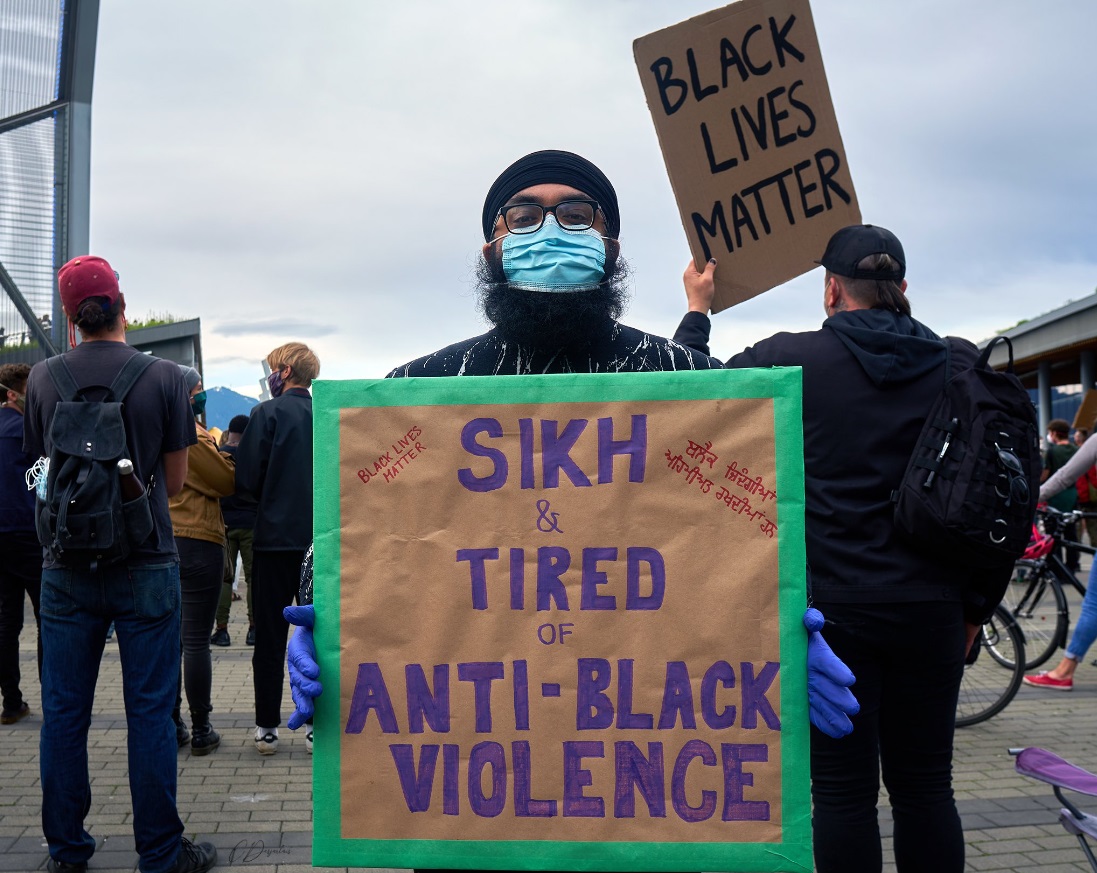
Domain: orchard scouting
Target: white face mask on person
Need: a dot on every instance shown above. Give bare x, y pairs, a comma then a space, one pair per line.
553, 259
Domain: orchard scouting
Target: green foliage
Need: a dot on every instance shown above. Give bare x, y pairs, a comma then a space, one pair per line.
152, 319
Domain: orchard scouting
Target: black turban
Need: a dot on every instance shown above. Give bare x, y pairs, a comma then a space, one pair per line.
552, 167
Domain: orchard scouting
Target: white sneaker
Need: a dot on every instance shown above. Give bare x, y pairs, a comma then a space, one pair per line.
266, 740
308, 740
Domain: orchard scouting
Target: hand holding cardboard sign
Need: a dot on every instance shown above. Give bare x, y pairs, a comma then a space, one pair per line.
700, 286
830, 702
301, 661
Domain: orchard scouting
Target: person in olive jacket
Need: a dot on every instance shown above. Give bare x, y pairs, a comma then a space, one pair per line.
274, 468
200, 538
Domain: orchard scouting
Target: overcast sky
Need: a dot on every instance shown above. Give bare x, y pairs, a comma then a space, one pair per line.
316, 171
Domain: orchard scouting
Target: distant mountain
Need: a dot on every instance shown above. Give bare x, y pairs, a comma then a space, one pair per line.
223, 403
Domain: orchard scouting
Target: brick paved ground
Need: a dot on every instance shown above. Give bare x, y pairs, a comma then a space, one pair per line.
258, 810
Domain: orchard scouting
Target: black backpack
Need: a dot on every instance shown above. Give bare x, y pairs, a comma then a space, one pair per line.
970, 489
83, 521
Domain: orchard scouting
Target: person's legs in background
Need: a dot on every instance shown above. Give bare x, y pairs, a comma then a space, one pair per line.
276, 576
845, 773
925, 665
148, 632
74, 631
1061, 676
220, 636
244, 538
202, 566
908, 660
20, 576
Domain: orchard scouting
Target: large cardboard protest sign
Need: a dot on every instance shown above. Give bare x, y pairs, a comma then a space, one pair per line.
558, 621
743, 113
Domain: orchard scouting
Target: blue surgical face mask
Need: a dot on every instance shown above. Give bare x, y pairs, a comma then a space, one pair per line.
553, 259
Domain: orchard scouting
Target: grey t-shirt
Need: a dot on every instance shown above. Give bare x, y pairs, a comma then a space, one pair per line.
156, 415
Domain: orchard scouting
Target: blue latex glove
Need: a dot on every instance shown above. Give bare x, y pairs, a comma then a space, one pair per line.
301, 660
830, 702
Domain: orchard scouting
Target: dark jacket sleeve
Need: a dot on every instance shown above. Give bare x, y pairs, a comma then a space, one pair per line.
253, 455
693, 332
984, 592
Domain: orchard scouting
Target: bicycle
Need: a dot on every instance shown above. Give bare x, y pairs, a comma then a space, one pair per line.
1035, 595
1044, 766
990, 683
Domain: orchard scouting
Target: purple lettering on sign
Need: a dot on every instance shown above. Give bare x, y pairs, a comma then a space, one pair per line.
754, 691
637, 555
524, 806
478, 573
593, 577
525, 441
735, 807
370, 692
451, 762
719, 674
636, 447
517, 579
626, 718
481, 674
487, 754
692, 749
422, 703
577, 777
552, 563
498, 476
677, 698
416, 783
593, 709
555, 453
521, 696
633, 770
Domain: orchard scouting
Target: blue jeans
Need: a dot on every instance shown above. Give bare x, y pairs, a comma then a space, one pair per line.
77, 608
1085, 630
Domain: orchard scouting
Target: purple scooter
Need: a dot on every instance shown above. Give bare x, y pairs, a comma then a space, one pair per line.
1046, 767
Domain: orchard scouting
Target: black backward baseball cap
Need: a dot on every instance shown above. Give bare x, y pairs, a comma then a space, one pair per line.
850, 245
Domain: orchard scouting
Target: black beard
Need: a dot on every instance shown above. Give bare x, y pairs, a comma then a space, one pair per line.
546, 319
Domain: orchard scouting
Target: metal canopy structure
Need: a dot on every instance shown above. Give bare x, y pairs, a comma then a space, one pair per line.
47, 65
1056, 349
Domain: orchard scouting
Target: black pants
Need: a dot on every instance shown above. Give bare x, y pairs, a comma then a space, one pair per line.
201, 568
20, 576
277, 576
908, 660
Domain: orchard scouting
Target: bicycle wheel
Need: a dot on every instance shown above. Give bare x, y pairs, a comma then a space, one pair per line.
1039, 607
989, 684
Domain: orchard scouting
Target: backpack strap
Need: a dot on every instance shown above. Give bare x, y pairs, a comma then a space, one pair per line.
62, 378
984, 358
129, 374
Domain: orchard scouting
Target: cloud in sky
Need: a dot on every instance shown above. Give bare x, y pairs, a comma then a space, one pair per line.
320, 176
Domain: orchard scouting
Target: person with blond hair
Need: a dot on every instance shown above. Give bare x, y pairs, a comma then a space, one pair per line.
274, 469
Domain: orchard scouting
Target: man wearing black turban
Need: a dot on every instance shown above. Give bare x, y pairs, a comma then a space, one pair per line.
552, 283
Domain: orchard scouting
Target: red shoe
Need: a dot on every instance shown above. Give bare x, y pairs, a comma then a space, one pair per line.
1046, 680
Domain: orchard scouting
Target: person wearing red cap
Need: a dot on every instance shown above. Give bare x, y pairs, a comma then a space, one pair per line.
140, 595
900, 618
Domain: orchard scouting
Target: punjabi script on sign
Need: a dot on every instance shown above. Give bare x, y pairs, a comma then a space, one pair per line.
702, 454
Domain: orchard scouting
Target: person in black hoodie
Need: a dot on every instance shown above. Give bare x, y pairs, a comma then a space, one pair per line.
901, 620
274, 470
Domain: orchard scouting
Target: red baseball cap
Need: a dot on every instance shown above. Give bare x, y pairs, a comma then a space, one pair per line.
84, 277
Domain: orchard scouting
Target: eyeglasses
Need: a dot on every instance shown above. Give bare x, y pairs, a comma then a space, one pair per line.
570, 215
1011, 483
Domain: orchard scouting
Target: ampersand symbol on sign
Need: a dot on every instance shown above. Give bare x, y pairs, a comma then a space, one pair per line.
549, 521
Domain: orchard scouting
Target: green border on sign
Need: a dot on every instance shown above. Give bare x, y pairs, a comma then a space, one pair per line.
783, 385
